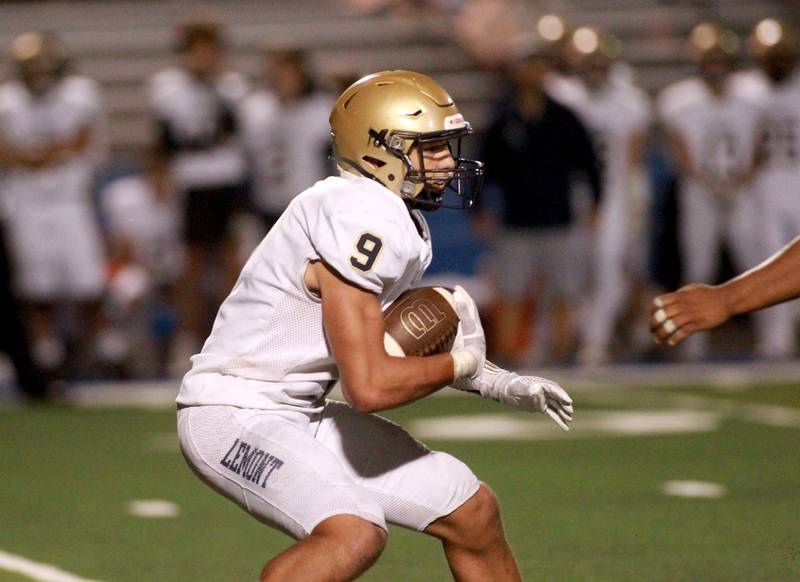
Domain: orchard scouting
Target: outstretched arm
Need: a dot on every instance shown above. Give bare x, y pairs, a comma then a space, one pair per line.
696, 307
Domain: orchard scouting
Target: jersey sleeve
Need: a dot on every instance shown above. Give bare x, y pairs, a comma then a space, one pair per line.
364, 248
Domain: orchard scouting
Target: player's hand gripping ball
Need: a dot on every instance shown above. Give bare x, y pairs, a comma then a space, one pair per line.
421, 322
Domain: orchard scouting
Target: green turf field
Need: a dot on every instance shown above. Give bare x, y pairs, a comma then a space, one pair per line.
584, 506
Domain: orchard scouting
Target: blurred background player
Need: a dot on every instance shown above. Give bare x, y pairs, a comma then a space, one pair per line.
287, 133
145, 261
534, 150
775, 44
616, 114
713, 134
14, 341
200, 158
52, 139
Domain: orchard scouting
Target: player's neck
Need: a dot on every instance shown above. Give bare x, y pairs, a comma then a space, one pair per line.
416, 219
532, 104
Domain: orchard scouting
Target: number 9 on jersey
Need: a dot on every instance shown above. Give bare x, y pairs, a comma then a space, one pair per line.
368, 247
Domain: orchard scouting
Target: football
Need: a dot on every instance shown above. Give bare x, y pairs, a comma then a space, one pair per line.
421, 322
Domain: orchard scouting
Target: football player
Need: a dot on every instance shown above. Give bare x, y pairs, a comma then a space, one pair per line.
713, 136
200, 161
286, 133
52, 138
616, 115
253, 420
776, 45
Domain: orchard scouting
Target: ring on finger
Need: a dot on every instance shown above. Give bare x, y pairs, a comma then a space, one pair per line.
669, 326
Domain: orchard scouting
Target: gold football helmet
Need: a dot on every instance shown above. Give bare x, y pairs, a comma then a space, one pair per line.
771, 35
714, 50
592, 53
379, 120
776, 45
591, 43
40, 59
709, 41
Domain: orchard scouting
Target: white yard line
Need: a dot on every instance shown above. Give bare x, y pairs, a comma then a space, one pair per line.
694, 489
153, 508
36, 570
157, 395
593, 424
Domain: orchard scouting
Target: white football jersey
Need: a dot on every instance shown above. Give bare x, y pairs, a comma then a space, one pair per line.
750, 84
613, 115
720, 132
29, 122
287, 145
267, 348
677, 95
191, 108
566, 89
781, 126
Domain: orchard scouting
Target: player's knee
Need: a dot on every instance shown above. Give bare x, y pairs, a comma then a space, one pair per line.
367, 541
476, 524
485, 511
354, 538
348, 545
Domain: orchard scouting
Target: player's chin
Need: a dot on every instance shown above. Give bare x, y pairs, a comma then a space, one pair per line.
436, 187
430, 196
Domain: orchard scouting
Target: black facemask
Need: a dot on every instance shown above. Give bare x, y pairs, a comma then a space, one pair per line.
461, 184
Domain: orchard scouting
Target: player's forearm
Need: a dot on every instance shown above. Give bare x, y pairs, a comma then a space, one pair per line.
389, 382
15, 158
56, 152
72, 146
775, 280
683, 158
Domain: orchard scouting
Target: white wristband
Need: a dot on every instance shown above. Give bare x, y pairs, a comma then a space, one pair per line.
464, 364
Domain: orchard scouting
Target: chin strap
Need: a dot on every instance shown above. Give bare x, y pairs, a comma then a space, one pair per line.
357, 167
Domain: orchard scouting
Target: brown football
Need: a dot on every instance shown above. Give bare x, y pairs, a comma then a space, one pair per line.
421, 322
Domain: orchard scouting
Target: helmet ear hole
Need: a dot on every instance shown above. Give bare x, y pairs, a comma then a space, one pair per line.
374, 162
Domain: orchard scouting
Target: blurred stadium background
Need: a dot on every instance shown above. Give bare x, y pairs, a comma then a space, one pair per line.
679, 466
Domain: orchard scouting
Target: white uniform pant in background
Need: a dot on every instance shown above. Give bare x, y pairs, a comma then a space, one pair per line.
780, 196
619, 259
706, 223
58, 252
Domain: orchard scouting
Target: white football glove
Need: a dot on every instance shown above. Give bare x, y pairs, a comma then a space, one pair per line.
529, 393
469, 349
